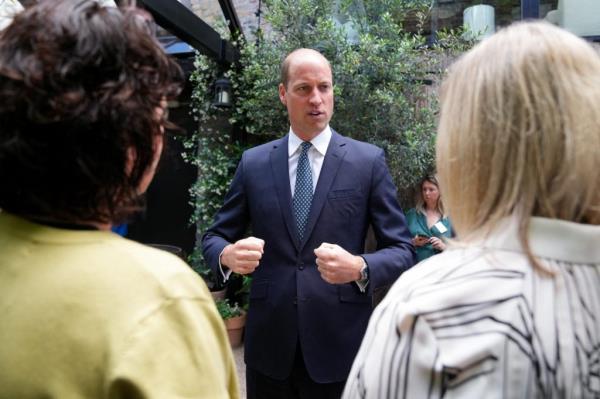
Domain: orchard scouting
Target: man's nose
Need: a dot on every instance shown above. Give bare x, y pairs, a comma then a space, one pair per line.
315, 96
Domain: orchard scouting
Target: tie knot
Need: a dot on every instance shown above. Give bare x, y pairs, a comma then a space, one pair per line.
305, 145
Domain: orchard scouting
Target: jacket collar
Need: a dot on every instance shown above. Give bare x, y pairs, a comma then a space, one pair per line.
549, 238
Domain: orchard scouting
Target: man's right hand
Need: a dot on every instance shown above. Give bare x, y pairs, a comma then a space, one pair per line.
244, 255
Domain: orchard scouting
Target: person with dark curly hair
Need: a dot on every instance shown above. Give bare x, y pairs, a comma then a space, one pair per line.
85, 312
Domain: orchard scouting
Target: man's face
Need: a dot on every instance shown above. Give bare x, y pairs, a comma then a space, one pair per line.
308, 95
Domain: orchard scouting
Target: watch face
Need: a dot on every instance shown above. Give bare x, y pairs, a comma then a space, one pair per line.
364, 273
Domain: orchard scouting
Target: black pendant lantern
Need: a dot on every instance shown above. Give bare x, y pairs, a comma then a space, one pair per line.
222, 93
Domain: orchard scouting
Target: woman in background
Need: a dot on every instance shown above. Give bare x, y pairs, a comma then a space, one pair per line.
427, 223
512, 309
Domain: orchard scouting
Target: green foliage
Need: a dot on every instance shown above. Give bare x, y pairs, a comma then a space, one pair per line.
215, 154
385, 78
244, 292
227, 310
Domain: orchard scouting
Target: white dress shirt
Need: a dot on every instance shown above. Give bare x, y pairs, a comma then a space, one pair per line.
316, 155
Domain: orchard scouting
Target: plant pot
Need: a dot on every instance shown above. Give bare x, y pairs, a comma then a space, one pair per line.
235, 329
218, 294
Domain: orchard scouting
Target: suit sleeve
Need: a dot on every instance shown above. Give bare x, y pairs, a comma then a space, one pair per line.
230, 223
395, 252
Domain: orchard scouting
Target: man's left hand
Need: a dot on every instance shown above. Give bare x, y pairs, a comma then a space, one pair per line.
336, 265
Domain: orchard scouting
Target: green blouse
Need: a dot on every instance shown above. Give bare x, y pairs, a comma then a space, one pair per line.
417, 224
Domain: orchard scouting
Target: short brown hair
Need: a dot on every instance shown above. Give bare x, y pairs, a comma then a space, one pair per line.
285, 65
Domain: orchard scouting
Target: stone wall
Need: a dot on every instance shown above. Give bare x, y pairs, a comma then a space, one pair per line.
210, 12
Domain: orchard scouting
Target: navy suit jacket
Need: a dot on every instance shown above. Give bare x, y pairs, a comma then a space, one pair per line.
289, 301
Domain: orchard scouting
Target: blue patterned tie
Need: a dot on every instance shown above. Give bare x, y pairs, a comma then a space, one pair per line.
304, 190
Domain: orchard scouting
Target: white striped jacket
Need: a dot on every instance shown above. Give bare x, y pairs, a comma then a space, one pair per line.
479, 322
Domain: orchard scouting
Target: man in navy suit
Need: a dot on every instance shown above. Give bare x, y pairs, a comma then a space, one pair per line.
308, 199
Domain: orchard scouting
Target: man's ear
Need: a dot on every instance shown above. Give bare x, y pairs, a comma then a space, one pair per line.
282, 94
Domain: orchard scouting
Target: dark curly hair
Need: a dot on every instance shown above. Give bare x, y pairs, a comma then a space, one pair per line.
80, 86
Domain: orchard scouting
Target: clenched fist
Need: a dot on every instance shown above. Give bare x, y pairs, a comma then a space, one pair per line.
244, 255
336, 265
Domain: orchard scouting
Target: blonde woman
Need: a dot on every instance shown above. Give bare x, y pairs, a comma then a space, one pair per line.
513, 309
427, 223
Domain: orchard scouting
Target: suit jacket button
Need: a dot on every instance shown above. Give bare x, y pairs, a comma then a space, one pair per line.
295, 300
301, 266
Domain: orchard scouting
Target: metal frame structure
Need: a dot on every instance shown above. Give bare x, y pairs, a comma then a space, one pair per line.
231, 17
180, 21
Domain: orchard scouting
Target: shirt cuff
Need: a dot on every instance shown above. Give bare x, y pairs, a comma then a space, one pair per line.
225, 273
362, 284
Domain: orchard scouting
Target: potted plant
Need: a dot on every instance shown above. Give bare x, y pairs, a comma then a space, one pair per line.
235, 320
238, 290
244, 292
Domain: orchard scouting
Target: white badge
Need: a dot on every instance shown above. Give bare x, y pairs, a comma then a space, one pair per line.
441, 228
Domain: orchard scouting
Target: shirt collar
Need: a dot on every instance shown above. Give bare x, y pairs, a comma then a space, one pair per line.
320, 141
549, 238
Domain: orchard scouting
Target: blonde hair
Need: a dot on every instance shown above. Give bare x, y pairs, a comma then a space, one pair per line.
420, 206
519, 131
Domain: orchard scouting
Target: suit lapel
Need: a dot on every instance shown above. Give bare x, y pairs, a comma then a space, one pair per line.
333, 159
280, 168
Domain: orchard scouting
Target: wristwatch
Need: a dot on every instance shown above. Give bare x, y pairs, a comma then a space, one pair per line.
364, 271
